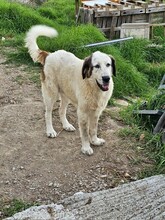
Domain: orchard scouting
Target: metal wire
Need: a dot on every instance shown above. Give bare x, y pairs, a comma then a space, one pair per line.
108, 42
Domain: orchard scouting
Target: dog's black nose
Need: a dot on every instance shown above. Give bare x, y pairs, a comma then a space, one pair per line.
105, 79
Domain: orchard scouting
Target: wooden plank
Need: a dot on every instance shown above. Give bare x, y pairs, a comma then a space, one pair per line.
139, 30
115, 5
81, 15
130, 5
123, 19
109, 21
76, 7
113, 26
142, 18
155, 9
91, 15
142, 4
157, 25
133, 11
108, 29
87, 16
99, 22
156, 17
104, 24
107, 13
156, 2
129, 19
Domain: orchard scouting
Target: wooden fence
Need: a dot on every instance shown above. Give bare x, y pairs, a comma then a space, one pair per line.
108, 16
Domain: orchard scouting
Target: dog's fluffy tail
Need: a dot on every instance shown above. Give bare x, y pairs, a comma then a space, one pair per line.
31, 41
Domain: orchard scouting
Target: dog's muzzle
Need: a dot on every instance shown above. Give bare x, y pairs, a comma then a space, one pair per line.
105, 85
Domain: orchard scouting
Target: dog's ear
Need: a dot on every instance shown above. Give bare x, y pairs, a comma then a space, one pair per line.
87, 67
113, 65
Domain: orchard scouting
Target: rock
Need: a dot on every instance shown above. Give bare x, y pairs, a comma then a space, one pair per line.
50, 184
143, 199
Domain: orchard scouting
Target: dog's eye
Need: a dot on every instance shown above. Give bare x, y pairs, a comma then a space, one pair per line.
97, 66
108, 64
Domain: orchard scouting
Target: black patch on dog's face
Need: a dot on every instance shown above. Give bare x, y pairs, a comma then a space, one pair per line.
87, 67
113, 66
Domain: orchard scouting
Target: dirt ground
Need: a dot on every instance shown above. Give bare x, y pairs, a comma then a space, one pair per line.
36, 168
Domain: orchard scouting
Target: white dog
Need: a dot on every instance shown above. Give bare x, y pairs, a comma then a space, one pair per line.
87, 84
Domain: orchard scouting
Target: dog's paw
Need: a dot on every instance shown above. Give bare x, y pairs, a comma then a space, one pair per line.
98, 141
51, 134
69, 127
87, 150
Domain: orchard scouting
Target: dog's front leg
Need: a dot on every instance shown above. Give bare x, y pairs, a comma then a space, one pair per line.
93, 125
84, 129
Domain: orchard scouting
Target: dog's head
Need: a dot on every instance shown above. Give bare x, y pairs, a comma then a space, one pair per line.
100, 67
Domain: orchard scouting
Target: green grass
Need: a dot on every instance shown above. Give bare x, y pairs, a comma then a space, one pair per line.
134, 51
9, 208
147, 58
152, 144
63, 12
17, 18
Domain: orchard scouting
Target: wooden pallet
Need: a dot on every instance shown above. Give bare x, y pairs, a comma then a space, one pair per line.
109, 15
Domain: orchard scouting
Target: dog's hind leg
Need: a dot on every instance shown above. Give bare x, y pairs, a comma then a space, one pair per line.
49, 100
62, 112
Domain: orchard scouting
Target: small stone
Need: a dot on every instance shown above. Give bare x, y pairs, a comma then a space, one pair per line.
127, 175
134, 178
122, 181
103, 176
56, 185
32, 188
50, 184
